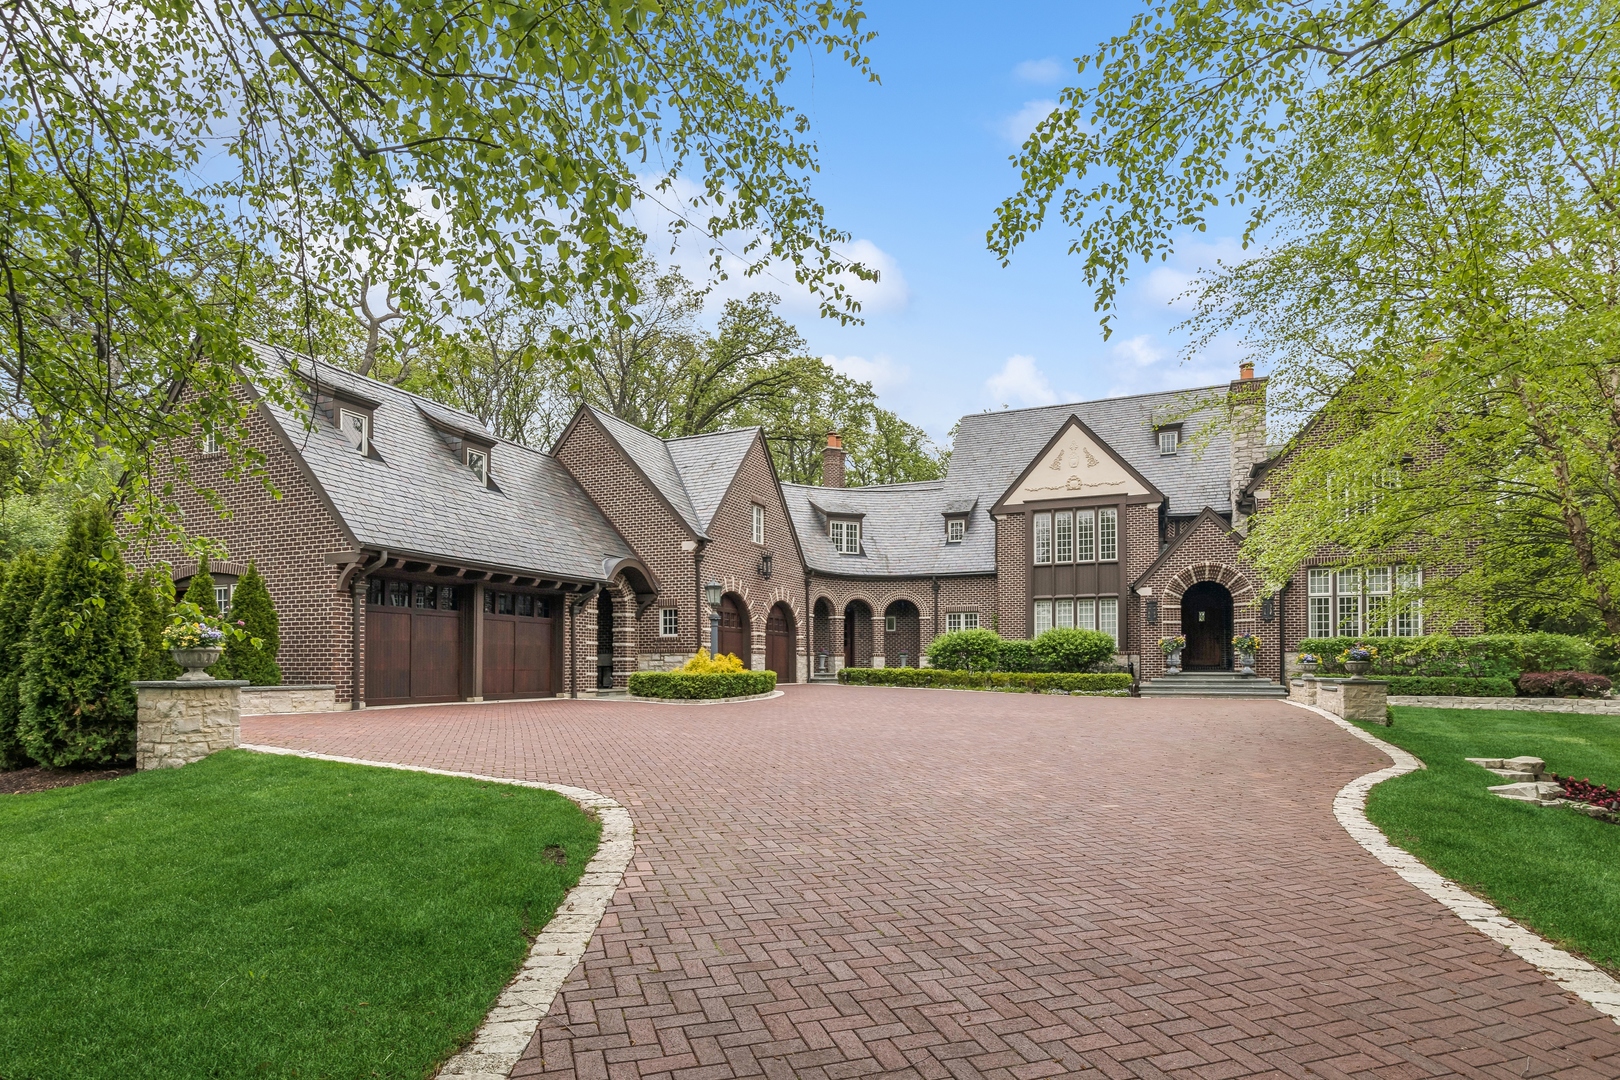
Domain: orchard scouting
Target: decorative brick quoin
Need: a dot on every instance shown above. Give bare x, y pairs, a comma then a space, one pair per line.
416, 557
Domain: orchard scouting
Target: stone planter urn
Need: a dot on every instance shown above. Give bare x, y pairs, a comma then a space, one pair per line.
1172, 663
1308, 667
195, 661
1358, 668
1245, 663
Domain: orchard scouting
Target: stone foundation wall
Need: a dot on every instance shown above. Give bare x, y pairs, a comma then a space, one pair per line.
274, 700
181, 722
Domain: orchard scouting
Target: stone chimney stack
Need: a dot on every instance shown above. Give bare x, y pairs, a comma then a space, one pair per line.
832, 461
1246, 414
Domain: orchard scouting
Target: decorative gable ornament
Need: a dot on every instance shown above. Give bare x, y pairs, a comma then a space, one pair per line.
1076, 464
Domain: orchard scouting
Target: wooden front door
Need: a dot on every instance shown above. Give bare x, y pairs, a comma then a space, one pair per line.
734, 630
413, 641
520, 654
1206, 622
779, 627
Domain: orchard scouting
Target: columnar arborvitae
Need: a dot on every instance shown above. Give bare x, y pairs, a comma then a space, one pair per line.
255, 615
84, 649
152, 594
24, 580
201, 591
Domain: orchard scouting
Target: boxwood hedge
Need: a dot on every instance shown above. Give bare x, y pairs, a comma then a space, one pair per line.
1482, 656
680, 686
1085, 682
1441, 686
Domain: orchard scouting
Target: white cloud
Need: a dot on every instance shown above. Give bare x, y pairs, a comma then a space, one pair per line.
883, 373
1020, 382
1017, 127
1139, 350
1043, 72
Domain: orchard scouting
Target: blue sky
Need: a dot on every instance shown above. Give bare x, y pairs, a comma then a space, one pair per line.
914, 167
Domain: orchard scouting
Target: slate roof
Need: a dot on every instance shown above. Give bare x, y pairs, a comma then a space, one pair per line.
417, 497
693, 473
903, 528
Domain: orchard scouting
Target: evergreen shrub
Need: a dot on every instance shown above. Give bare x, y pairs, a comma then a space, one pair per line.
1447, 686
78, 707
1503, 656
252, 656
685, 686
965, 650
200, 591
152, 595
25, 577
1074, 650
1085, 682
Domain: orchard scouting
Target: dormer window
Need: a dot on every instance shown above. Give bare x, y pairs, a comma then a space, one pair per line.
955, 529
1169, 441
846, 537
478, 462
356, 428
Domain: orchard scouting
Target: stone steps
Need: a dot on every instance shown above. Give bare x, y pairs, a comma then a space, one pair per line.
1218, 684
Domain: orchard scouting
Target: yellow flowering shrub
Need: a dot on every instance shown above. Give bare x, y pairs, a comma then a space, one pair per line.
703, 664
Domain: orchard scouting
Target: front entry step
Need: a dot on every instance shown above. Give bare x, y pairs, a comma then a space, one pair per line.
1227, 684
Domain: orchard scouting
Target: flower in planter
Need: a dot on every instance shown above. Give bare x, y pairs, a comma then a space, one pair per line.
1359, 653
1172, 644
1246, 643
1309, 658
192, 634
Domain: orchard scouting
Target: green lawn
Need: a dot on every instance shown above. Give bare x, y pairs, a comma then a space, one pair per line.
256, 915
1553, 869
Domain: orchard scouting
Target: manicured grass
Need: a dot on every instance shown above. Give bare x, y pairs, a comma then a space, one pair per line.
254, 915
1553, 869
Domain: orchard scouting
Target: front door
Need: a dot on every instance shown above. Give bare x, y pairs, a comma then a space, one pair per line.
1206, 622
779, 643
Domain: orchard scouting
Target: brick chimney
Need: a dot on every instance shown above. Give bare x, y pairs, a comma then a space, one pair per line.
1246, 414
832, 461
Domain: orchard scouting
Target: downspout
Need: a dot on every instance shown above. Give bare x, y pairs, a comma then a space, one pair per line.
935, 581
356, 676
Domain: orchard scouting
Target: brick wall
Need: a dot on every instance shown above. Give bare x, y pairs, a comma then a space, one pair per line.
285, 537
1012, 571
973, 593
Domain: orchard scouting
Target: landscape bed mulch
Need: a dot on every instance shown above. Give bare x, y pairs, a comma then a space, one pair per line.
39, 778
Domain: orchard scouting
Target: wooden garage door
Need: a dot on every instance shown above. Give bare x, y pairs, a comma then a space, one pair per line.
520, 658
734, 636
413, 641
779, 634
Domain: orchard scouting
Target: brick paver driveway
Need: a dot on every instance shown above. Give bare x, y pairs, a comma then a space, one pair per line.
847, 882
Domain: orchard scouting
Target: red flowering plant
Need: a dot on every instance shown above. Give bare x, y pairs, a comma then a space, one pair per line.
1588, 792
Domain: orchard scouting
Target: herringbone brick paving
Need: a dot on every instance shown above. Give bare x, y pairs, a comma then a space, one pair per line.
848, 882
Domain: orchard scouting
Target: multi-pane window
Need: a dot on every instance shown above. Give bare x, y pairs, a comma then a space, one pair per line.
955, 529
478, 462
222, 597
1085, 535
210, 443
525, 604
1353, 602
669, 622
1169, 442
1108, 617
356, 427
759, 524
1085, 614
1321, 601
436, 597
1043, 617
961, 620
1108, 534
1063, 537
846, 537
1043, 539
1063, 614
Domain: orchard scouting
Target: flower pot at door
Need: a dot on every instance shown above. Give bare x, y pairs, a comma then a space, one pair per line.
1172, 663
1245, 663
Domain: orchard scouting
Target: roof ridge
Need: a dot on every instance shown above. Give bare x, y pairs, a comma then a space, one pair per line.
412, 394
696, 520
1090, 401
708, 434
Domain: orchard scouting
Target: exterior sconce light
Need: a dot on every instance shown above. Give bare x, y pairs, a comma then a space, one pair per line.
765, 566
1268, 609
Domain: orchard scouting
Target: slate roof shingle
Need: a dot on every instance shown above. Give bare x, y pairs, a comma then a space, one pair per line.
417, 497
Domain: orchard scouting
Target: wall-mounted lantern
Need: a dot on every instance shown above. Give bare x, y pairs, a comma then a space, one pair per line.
1268, 609
765, 565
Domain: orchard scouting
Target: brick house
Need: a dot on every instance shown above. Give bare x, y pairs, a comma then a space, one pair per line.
414, 556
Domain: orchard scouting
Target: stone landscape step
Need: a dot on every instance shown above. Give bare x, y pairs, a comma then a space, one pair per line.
1223, 684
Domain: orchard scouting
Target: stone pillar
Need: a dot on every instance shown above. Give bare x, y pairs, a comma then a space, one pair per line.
1355, 699
878, 643
181, 722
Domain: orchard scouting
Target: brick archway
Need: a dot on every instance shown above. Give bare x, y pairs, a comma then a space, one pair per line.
1243, 588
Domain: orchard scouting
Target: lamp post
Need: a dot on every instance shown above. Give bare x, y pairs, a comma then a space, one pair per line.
711, 593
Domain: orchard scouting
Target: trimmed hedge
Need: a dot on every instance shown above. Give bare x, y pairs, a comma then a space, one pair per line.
1085, 682
1440, 686
679, 686
1502, 656
1563, 684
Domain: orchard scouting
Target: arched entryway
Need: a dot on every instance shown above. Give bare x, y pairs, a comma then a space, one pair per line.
857, 634
734, 629
604, 640
1206, 622
821, 646
780, 631
902, 634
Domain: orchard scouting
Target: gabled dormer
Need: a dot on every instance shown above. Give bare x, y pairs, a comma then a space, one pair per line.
1075, 464
350, 412
465, 437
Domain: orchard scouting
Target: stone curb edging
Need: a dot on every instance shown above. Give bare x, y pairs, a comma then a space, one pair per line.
557, 949
1569, 972
1588, 706
696, 701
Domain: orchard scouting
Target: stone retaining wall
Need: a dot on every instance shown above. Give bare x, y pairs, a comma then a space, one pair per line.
1594, 706
181, 722
272, 700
